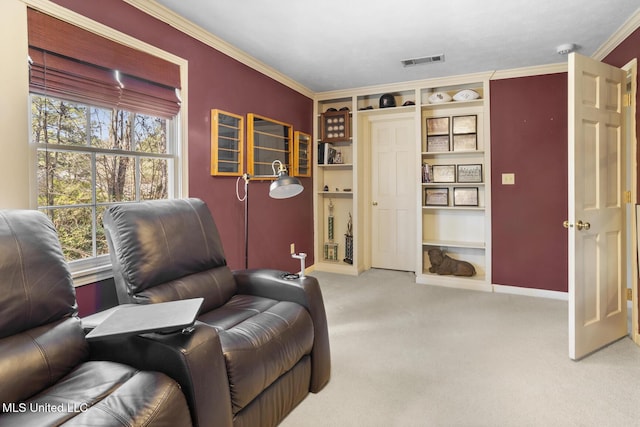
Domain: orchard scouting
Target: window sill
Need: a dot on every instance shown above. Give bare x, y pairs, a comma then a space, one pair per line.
85, 272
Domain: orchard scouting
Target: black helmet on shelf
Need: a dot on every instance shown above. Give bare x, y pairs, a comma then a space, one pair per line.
387, 100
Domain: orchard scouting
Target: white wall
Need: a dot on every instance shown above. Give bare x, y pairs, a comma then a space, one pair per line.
14, 126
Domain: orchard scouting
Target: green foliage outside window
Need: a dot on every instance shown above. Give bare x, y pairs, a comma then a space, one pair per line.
90, 158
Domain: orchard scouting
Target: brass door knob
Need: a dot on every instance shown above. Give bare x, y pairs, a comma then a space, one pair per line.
566, 224
582, 225
375, 203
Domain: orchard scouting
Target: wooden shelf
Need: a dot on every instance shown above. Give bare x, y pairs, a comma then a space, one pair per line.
454, 244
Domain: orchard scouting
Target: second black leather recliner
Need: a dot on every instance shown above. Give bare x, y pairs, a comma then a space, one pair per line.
272, 332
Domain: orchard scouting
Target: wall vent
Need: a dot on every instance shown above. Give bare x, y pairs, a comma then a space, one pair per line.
423, 60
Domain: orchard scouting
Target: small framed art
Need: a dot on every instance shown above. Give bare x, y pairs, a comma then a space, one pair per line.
436, 197
465, 142
444, 173
438, 143
465, 196
438, 126
469, 173
465, 124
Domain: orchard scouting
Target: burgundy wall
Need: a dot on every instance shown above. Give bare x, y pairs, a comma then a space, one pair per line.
217, 81
529, 138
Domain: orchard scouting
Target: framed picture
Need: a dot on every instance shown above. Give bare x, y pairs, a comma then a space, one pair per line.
466, 142
465, 124
436, 197
465, 196
438, 126
444, 173
438, 143
469, 173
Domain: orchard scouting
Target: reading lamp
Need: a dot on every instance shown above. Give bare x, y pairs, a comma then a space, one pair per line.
283, 187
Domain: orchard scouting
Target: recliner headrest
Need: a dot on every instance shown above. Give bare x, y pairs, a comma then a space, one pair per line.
164, 240
36, 287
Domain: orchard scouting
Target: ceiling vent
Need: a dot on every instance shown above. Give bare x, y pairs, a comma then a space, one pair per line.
423, 60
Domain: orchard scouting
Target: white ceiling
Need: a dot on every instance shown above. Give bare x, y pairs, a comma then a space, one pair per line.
338, 44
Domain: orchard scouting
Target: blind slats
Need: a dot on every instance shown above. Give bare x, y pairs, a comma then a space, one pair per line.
62, 68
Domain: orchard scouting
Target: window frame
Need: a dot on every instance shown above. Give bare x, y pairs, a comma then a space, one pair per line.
96, 269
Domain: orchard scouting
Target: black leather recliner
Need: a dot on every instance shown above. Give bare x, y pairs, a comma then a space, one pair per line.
272, 332
49, 374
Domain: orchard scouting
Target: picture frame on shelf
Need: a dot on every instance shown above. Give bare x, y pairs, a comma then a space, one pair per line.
465, 196
465, 124
444, 173
436, 197
438, 143
326, 153
469, 173
438, 126
465, 142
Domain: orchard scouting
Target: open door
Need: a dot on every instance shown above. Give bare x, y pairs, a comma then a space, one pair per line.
597, 259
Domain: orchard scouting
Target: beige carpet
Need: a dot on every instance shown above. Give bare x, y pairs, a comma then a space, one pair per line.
415, 355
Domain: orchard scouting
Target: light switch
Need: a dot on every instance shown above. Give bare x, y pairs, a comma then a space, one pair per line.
508, 178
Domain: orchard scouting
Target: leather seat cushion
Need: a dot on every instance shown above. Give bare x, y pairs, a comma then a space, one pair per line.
262, 339
101, 393
35, 359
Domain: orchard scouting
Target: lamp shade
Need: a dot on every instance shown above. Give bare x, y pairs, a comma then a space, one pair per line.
285, 186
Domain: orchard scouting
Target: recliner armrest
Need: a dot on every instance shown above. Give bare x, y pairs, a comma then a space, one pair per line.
304, 291
194, 360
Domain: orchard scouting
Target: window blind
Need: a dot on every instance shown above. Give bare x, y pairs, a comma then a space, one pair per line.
74, 64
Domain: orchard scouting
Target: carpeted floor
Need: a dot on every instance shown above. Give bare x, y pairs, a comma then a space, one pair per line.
415, 355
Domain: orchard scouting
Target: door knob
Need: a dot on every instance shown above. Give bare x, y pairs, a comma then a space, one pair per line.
566, 224
582, 225
375, 203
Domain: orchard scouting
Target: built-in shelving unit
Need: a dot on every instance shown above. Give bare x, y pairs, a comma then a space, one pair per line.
460, 226
335, 187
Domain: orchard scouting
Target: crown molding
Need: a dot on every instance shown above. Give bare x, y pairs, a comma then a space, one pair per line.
618, 37
530, 71
176, 21
405, 86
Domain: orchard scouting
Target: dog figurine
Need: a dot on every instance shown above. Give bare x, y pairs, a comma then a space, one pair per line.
443, 264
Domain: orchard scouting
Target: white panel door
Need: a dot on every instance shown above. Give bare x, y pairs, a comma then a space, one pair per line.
393, 183
597, 276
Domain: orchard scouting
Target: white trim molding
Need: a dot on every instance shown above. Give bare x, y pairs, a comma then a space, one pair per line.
531, 292
618, 37
530, 71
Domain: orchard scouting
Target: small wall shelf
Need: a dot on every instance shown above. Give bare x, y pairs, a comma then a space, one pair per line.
227, 141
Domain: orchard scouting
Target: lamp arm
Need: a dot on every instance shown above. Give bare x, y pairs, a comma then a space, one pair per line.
281, 167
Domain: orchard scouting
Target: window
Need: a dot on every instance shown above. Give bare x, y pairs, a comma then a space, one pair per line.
91, 157
105, 124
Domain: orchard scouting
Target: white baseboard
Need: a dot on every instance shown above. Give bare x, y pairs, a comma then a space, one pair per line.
539, 293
